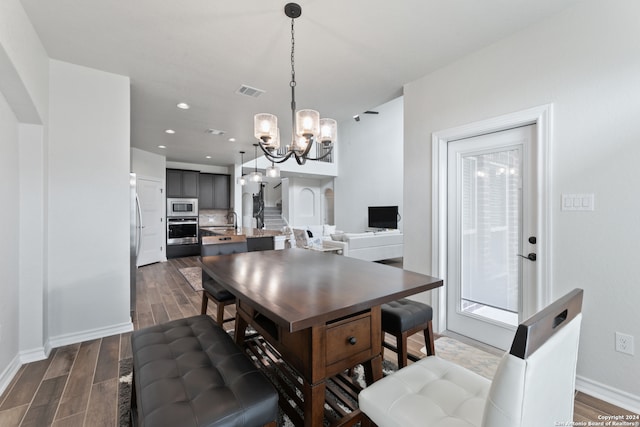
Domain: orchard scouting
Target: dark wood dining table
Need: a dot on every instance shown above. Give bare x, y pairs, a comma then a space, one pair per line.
320, 311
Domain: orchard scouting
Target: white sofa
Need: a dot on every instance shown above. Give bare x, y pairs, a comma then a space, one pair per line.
319, 233
369, 246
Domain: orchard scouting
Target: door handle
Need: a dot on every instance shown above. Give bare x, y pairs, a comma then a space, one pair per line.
530, 257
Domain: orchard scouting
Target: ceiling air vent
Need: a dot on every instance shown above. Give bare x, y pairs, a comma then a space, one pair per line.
215, 132
249, 91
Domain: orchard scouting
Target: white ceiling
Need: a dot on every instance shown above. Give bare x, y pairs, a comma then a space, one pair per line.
351, 56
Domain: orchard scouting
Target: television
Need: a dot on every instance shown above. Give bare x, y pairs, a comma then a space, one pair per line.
383, 217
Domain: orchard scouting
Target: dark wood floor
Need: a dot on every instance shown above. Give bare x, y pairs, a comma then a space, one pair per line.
78, 384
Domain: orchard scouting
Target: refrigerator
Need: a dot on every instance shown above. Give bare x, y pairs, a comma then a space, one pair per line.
135, 215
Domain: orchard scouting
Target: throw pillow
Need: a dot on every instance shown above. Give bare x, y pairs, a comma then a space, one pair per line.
327, 230
316, 230
300, 238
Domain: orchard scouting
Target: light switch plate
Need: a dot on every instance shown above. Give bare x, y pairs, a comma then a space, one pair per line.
578, 202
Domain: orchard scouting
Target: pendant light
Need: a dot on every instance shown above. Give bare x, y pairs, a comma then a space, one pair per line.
242, 180
273, 171
255, 176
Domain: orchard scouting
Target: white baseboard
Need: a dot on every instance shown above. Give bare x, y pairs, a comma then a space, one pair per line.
33, 355
41, 353
66, 339
10, 371
609, 394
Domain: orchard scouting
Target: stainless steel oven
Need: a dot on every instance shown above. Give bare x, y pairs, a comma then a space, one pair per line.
182, 231
182, 207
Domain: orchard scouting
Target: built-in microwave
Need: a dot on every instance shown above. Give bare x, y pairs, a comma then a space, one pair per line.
182, 207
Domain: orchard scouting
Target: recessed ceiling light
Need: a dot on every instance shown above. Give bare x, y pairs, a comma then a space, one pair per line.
232, 140
170, 131
162, 146
183, 106
208, 157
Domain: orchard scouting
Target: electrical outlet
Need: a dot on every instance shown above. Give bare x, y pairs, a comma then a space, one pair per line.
624, 343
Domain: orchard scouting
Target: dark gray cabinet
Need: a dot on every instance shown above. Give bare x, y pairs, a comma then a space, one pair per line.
214, 191
182, 183
221, 192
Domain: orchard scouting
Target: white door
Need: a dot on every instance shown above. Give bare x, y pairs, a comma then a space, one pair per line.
153, 226
491, 234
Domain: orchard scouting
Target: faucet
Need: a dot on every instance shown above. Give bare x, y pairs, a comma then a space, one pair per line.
235, 219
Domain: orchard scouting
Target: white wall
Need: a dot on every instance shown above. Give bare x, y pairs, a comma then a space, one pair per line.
370, 167
33, 223
272, 192
9, 278
23, 65
147, 164
304, 203
586, 62
88, 203
23, 111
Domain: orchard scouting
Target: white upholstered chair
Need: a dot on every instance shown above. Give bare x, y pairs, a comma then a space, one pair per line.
533, 385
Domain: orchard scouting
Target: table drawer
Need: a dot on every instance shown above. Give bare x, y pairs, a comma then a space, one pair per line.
348, 337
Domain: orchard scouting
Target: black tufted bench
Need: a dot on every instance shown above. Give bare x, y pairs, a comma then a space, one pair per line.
189, 372
403, 318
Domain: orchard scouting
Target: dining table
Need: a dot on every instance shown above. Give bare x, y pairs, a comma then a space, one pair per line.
320, 311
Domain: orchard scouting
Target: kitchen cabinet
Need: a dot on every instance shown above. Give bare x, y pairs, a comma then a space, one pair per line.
221, 190
182, 183
260, 244
214, 191
179, 251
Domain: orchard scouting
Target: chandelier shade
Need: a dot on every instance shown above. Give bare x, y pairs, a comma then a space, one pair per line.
307, 123
307, 126
328, 131
265, 129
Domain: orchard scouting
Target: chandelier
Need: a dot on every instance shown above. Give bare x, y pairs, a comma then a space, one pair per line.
307, 126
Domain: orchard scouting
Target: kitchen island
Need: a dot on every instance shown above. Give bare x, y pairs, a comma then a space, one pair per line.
257, 239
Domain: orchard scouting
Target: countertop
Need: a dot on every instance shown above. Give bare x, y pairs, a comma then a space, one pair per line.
244, 231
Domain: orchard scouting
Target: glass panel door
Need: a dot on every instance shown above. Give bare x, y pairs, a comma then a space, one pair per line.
490, 209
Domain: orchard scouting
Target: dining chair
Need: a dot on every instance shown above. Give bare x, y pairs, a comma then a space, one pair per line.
212, 290
533, 386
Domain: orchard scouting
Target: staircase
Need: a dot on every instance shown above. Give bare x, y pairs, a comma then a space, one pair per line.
273, 218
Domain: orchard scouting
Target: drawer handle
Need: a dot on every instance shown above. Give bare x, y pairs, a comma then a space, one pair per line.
352, 340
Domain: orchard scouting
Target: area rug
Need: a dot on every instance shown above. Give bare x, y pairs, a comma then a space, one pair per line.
474, 359
124, 392
193, 276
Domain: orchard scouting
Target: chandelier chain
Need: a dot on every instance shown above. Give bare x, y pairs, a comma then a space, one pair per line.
293, 81
293, 43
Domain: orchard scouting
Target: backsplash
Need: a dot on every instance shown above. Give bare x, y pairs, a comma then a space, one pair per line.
211, 217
